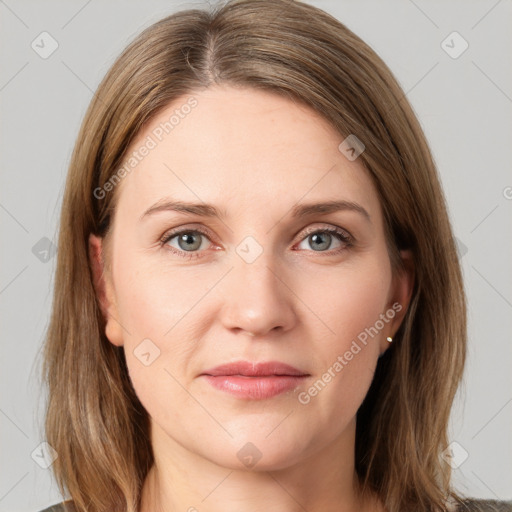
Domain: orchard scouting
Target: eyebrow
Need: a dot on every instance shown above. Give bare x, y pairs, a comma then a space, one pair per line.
298, 211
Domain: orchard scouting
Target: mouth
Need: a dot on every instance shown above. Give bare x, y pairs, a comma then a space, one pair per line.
255, 381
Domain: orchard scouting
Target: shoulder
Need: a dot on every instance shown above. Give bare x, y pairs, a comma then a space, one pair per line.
64, 506
473, 505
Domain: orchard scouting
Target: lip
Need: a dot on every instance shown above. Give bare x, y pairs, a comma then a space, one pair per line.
248, 369
255, 381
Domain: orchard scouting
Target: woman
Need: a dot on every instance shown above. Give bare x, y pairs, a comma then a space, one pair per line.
203, 353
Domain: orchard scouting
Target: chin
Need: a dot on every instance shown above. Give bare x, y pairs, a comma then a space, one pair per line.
255, 452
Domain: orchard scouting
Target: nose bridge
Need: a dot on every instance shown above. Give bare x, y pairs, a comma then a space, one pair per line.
257, 300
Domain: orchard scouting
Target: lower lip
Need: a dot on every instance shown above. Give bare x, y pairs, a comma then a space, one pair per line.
255, 388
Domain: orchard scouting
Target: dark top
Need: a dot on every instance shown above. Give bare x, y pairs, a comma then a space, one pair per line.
468, 505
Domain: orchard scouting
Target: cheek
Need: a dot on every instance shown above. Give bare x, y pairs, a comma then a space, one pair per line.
347, 300
155, 309
156, 300
350, 309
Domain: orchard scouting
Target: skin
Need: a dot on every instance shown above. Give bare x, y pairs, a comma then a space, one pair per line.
254, 155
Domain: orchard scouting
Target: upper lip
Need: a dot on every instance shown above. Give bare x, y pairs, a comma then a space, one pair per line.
248, 369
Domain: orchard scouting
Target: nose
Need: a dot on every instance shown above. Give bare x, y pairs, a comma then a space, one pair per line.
257, 298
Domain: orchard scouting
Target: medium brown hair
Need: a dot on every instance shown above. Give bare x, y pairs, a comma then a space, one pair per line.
94, 419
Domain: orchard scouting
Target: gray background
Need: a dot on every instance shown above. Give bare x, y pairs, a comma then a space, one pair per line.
464, 105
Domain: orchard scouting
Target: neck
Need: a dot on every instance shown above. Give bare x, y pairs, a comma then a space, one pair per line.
181, 480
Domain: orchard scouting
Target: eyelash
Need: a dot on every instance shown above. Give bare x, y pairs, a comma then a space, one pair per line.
341, 234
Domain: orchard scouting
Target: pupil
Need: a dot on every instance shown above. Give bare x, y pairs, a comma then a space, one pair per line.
189, 241
318, 237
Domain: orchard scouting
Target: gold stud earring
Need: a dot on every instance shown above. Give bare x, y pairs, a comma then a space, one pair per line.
390, 339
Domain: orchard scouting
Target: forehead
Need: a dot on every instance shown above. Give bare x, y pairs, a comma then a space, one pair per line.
243, 148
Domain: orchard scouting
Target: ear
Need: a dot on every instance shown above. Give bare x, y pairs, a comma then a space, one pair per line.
401, 293
105, 292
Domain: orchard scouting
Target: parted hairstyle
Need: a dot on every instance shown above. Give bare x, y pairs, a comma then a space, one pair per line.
94, 419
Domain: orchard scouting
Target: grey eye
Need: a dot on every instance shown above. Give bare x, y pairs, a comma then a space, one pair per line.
187, 240
321, 240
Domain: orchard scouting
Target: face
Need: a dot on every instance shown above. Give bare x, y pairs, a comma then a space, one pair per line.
265, 279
